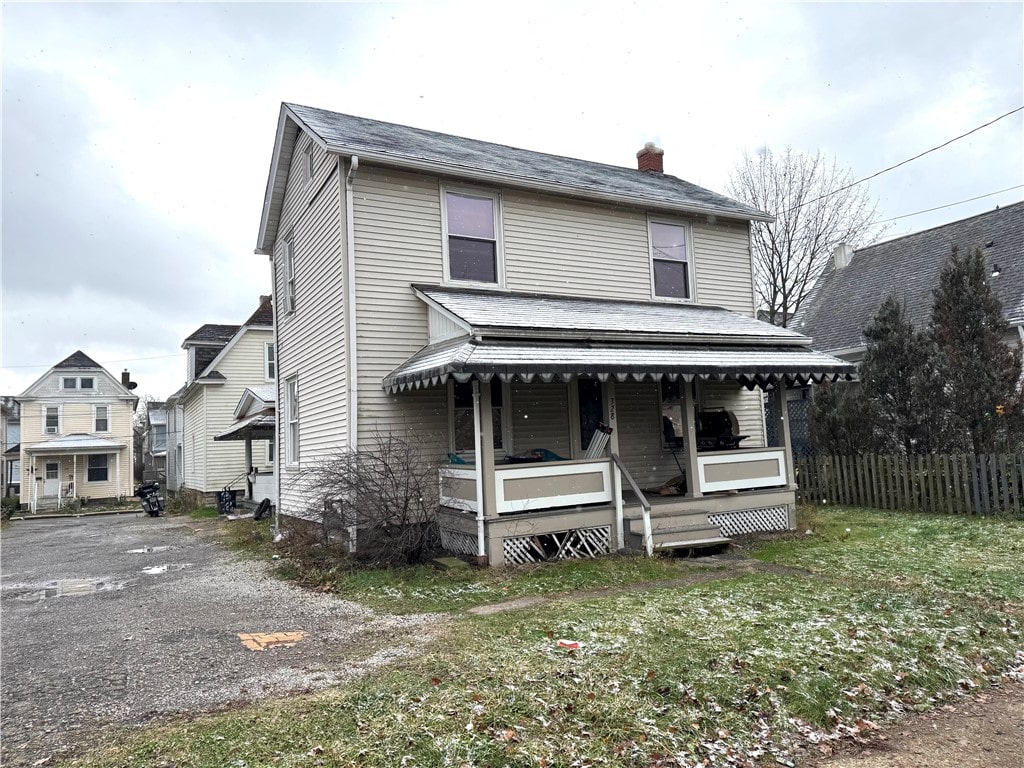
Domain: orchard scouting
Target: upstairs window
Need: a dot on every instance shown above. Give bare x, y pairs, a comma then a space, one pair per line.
270, 362
51, 419
86, 382
291, 415
101, 418
69, 382
289, 272
671, 272
472, 236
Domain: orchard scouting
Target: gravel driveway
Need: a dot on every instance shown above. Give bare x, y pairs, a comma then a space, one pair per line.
111, 620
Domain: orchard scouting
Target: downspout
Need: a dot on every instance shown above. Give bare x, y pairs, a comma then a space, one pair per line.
277, 404
350, 303
478, 446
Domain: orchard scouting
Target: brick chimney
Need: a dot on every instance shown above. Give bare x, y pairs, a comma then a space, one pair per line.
650, 158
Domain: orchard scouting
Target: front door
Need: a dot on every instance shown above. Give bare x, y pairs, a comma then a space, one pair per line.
591, 409
51, 480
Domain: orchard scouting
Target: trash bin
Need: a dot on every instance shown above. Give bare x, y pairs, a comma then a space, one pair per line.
226, 501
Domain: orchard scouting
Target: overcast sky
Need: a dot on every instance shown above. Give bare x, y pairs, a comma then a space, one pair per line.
137, 137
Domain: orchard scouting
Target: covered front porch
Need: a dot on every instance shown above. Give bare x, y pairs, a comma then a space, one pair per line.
643, 431
255, 420
76, 466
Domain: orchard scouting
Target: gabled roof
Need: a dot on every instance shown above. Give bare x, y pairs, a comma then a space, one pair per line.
845, 300
211, 335
78, 360
264, 315
401, 146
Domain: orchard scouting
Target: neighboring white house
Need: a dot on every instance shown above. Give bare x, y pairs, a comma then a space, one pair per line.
223, 361
10, 450
154, 444
255, 422
499, 304
76, 435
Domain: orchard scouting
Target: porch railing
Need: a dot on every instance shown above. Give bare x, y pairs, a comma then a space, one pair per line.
645, 505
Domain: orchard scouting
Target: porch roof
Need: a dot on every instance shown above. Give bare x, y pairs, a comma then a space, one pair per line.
69, 444
259, 426
465, 358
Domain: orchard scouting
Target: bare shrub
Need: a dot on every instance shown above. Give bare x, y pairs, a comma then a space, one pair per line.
184, 502
381, 501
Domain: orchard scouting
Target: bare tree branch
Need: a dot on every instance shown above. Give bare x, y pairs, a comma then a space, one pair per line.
814, 212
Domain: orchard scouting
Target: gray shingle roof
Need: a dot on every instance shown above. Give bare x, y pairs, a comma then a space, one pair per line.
403, 146
546, 336
78, 360
264, 314
349, 134
494, 313
844, 301
211, 334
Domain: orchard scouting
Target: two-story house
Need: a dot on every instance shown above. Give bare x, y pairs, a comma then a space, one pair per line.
154, 444
223, 361
76, 435
499, 305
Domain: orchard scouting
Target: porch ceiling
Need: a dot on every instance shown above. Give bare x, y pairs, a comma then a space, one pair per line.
467, 357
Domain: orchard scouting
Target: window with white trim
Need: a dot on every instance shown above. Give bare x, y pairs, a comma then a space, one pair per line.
69, 382
288, 262
101, 418
291, 415
86, 382
269, 361
51, 419
98, 471
472, 236
671, 268
463, 433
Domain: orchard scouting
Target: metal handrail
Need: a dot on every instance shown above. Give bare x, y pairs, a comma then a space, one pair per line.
645, 505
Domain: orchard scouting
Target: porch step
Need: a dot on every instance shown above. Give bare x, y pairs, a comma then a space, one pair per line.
669, 521
680, 536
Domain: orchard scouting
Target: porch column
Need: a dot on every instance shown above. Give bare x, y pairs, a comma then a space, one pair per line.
485, 468
74, 475
248, 468
117, 463
611, 419
690, 436
784, 433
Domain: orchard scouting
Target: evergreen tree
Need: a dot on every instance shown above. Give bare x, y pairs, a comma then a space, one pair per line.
981, 372
900, 384
839, 422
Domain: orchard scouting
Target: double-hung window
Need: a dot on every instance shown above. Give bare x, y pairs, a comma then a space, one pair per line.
288, 263
291, 415
51, 419
671, 266
463, 429
472, 236
101, 418
270, 362
97, 470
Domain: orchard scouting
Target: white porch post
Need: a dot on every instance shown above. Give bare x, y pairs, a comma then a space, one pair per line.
485, 466
74, 475
784, 432
60, 481
611, 419
248, 468
690, 436
481, 538
117, 463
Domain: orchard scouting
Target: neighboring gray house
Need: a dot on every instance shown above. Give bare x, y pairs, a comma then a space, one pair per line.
499, 304
154, 444
10, 450
855, 283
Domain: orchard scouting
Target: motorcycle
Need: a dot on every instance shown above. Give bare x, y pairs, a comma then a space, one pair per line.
152, 504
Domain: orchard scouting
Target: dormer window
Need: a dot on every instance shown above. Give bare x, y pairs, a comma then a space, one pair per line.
69, 382
86, 382
472, 236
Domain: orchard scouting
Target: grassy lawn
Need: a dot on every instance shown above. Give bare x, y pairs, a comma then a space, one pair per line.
751, 669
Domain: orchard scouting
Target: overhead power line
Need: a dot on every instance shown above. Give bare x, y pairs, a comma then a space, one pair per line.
124, 360
909, 159
950, 205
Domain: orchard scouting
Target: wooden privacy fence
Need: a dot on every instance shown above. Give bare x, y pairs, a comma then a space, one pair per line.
961, 484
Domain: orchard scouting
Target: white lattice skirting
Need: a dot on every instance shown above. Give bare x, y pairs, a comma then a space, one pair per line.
581, 542
458, 543
752, 521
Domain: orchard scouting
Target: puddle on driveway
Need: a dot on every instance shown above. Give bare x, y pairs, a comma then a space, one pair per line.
146, 550
156, 570
68, 588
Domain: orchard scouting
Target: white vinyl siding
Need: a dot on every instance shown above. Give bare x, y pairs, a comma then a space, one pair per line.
746, 406
540, 417
641, 447
721, 264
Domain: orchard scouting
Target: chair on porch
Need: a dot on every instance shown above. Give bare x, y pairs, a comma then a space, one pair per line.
598, 442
